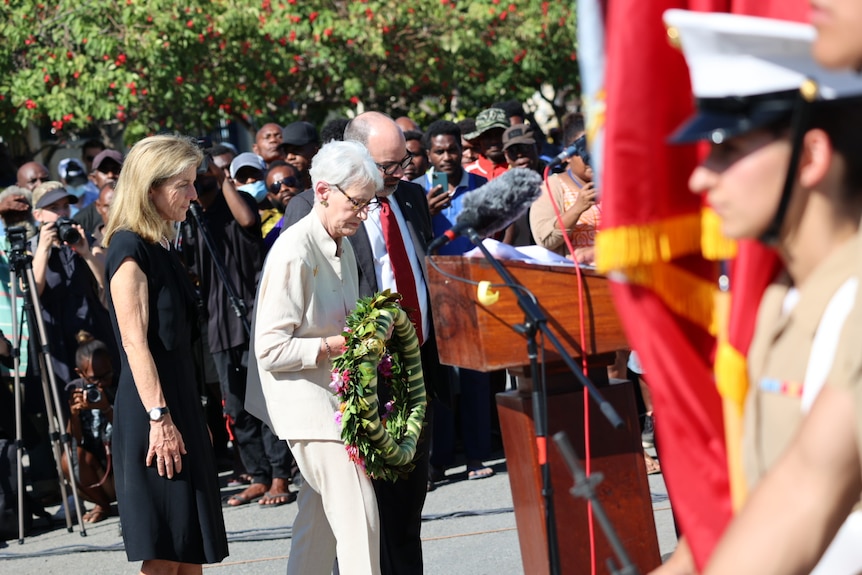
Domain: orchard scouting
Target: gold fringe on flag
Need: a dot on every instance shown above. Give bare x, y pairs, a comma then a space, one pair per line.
714, 244
625, 247
685, 293
731, 375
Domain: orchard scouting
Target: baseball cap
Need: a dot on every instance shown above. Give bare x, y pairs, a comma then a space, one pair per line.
47, 193
72, 171
488, 120
299, 134
246, 160
107, 155
518, 134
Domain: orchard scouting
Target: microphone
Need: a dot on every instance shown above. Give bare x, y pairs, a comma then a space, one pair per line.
578, 148
490, 208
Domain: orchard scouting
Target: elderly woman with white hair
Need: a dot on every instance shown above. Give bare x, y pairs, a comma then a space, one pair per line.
308, 287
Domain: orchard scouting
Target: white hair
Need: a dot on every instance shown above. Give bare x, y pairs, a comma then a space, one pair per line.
345, 164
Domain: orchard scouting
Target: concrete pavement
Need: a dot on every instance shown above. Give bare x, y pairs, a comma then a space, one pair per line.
469, 529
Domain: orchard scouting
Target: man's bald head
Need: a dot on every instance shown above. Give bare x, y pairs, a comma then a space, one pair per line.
31, 175
384, 140
406, 124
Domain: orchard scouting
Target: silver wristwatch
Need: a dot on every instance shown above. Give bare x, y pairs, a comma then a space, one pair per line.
158, 413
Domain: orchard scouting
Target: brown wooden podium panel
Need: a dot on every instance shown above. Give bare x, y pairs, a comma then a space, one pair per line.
624, 493
483, 338
480, 337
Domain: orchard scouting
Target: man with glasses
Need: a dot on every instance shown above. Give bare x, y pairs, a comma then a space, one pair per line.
31, 175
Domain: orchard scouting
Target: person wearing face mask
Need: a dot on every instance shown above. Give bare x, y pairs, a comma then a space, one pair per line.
74, 177
230, 212
574, 194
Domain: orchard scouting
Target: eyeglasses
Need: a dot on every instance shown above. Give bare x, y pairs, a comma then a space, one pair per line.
389, 168
358, 206
290, 182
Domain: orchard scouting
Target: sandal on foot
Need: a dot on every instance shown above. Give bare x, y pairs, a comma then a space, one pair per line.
479, 473
652, 465
276, 499
96, 514
247, 496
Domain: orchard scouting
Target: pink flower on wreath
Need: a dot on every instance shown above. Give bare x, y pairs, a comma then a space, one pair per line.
345, 376
355, 457
338, 418
388, 407
335, 383
385, 366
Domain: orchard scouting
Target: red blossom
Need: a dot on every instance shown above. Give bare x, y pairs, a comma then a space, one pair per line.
327, 32
354, 100
30, 104
190, 24
180, 80
313, 16
292, 36
293, 69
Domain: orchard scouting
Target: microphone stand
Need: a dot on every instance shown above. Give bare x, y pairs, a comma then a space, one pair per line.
585, 487
535, 320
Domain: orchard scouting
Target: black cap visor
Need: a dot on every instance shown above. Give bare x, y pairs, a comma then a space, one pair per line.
718, 119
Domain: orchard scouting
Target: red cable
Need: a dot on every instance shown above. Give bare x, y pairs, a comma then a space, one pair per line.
583, 339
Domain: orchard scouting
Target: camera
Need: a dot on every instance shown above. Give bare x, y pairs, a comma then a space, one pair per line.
92, 393
17, 237
66, 231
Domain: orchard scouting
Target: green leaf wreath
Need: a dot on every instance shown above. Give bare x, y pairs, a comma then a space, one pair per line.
383, 441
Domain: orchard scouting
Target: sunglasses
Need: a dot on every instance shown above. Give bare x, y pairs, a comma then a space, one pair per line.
290, 182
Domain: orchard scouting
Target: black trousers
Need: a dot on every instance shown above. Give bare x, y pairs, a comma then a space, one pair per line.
264, 455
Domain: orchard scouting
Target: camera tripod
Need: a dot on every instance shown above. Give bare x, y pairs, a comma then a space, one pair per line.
22, 285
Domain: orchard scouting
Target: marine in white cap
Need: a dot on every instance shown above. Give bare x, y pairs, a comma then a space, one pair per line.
784, 168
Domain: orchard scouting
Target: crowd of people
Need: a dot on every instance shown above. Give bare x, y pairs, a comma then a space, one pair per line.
154, 264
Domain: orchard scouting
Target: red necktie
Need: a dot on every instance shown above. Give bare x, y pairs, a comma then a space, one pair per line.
401, 268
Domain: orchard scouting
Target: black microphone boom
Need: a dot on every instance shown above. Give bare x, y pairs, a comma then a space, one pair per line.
492, 207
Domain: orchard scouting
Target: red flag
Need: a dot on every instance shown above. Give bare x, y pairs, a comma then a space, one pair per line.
651, 238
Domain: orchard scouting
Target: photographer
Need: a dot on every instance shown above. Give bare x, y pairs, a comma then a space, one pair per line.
70, 279
90, 424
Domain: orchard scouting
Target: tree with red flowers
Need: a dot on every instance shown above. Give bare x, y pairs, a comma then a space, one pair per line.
142, 67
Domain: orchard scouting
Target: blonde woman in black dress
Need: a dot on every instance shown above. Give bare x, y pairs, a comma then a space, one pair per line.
165, 473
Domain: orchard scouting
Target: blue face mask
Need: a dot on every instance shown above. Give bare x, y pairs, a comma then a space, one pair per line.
257, 190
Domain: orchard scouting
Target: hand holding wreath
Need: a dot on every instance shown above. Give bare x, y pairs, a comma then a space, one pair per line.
383, 444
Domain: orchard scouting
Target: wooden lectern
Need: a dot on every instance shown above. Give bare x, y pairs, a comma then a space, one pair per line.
474, 336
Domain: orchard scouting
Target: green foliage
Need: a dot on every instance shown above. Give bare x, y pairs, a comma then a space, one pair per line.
152, 65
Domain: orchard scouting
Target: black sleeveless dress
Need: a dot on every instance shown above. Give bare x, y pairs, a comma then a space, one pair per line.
177, 519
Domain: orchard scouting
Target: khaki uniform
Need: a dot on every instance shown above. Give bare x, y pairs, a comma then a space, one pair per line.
779, 359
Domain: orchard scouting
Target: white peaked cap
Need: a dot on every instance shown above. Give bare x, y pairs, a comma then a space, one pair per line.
747, 71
